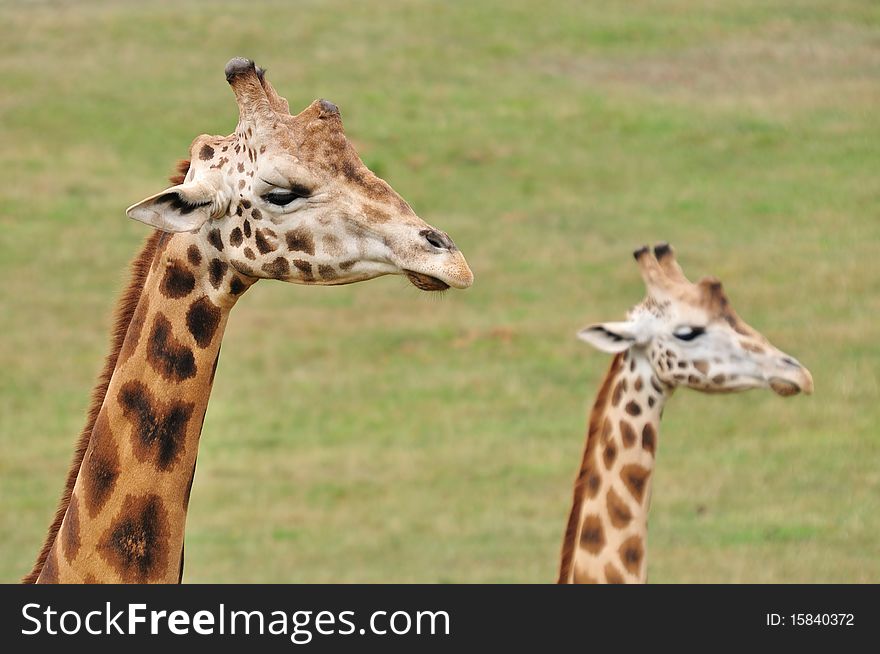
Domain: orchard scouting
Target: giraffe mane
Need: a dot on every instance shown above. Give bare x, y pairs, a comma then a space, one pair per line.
125, 307
568, 541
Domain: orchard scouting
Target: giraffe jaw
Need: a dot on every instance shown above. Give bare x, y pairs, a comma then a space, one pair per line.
425, 282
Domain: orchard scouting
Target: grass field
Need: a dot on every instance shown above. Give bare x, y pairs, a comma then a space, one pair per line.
373, 433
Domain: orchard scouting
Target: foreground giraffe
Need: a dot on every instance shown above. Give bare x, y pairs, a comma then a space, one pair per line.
681, 334
283, 197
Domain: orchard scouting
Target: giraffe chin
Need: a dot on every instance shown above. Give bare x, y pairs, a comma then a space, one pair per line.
425, 282
784, 387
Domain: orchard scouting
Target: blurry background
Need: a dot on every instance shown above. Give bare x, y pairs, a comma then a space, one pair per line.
374, 433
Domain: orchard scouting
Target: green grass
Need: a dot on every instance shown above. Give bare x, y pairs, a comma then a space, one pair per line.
373, 433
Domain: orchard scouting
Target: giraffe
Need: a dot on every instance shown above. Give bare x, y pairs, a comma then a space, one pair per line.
283, 197
681, 334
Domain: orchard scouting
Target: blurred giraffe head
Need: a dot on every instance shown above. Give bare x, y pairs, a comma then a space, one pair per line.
692, 336
287, 197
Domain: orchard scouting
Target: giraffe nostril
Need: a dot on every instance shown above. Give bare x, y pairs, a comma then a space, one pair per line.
790, 362
438, 239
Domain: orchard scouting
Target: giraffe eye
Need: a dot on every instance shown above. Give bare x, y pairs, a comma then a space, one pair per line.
688, 333
281, 198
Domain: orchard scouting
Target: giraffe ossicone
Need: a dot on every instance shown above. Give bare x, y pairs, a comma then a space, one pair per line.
283, 197
681, 334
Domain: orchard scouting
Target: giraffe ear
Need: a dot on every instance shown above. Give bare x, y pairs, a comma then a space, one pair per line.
181, 208
611, 337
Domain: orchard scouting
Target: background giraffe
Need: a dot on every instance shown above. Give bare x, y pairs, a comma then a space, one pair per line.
283, 197
680, 334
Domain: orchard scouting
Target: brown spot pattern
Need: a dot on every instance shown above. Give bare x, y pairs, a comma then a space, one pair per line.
627, 433
135, 545
649, 438
70, 540
135, 327
202, 319
631, 553
592, 534
279, 268
618, 511
159, 429
216, 271
193, 255
178, 281
635, 477
100, 467
300, 240
263, 245
166, 355
613, 575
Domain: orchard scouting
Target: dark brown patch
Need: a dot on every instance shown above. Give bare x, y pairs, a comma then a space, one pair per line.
631, 554
256, 214
263, 245
613, 575
618, 511
135, 328
635, 477
178, 281
300, 240
617, 394
327, 272
609, 455
305, 268
206, 153
159, 429
135, 545
633, 408
278, 269
202, 319
638, 385
347, 265
627, 433
246, 204
247, 228
235, 237
193, 255
70, 540
655, 384
702, 366
236, 286
216, 271
240, 167
100, 468
170, 358
719, 379
249, 253
592, 534
215, 239
589, 479
649, 438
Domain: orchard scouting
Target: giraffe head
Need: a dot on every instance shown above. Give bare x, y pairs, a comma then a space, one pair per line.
287, 197
691, 335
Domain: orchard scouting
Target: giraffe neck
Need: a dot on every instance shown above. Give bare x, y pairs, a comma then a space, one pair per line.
127, 511
608, 525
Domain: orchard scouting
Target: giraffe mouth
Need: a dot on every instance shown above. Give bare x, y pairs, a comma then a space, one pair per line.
784, 387
425, 282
